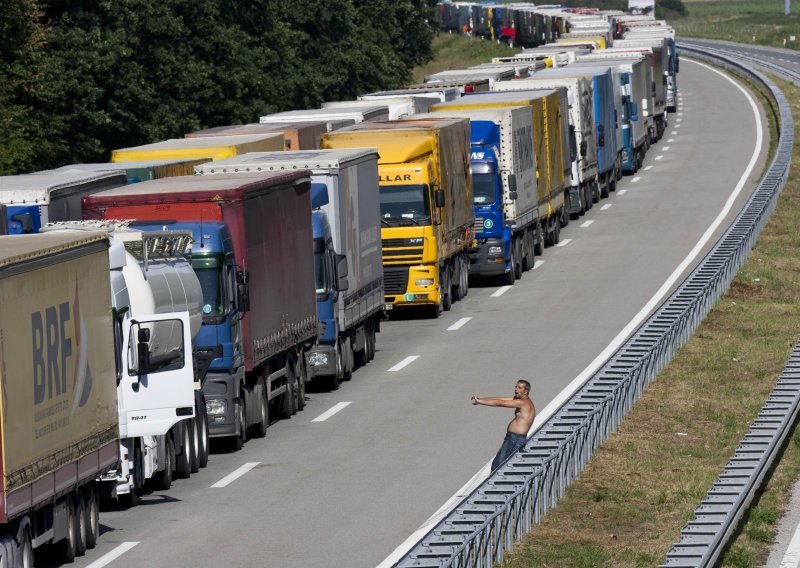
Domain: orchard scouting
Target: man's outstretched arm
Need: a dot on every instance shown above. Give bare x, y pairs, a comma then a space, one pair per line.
504, 401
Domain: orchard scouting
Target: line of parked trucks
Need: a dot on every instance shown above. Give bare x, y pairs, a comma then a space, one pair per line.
191, 289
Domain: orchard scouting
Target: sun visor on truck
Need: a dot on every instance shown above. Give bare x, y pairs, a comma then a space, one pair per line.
319, 195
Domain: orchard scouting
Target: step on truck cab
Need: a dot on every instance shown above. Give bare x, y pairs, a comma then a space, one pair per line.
347, 250
253, 254
59, 365
584, 188
425, 206
163, 430
33, 200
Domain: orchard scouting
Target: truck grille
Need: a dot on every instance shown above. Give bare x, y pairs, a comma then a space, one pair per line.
395, 279
477, 227
402, 250
415, 242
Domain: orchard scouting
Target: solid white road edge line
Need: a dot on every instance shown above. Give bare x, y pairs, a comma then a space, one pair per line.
235, 474
601, 358
791, 558
459, 324
405, 362
500, 291
565, 242
331, 411
109, 557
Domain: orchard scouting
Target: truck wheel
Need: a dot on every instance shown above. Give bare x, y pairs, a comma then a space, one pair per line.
92, 508
466, 277
511, 276
565, 214
202, 422
447, 291
348, 359
302, 379
81, 526
538, 247
183, 461
370, 340
287, 398
65, 549
163, 479
556, 230
25, 550
604, 189
260, 430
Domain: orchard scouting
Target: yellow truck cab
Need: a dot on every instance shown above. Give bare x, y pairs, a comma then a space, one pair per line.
425, 206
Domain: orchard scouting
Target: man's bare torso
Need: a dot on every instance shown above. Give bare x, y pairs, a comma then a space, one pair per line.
523, 419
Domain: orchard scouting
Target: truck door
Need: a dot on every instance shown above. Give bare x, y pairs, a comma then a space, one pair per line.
156, 388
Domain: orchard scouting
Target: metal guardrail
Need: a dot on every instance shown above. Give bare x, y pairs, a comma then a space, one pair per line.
487, 522
705, 537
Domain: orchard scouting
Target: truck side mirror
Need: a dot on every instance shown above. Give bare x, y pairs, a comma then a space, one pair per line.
438, 198
634, 112
512, 187
341, 273
319, 246
602, 139
143, 351
584, 148
243, 290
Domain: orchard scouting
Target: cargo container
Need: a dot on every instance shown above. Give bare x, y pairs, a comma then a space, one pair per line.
211, 147
425, 206
441, 93
584, 189
632, 76
331, 116
59, 367
494, 76
297, 135
399, 106
345, 198
253, 254
33, 200
466, 85
549, 122
659, 38
138, 171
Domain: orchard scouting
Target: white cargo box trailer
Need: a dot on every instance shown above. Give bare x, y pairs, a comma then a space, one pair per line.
494, 76
357, 114
399, 106
442, 94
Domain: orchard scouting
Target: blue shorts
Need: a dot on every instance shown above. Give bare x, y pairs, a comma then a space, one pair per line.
512, 443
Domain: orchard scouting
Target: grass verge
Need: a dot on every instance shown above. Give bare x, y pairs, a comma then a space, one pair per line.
643, 484
454, 51
742, 21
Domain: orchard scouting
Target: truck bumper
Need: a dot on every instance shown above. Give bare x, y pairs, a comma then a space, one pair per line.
574, 199
221, 396
322, 361
489, 258
421, 289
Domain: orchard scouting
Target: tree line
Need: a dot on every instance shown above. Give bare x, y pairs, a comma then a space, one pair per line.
79, 78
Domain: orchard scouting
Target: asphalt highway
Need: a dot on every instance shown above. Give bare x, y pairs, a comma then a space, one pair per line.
347, 480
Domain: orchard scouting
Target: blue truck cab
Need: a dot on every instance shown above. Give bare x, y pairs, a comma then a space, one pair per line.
214, 262
492, 256
325, 276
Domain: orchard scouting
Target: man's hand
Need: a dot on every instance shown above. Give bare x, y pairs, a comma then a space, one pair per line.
474, 399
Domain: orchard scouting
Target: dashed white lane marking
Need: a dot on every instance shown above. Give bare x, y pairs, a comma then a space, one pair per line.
500, 291
671, 140
332, 410
665, 148
648, 168
236, 474
587, 223
678, 119
659, 157
634, 180
404, 363
565, 242
109, 557
606, 206
622, 192
677, 126
537, 264
680, 114
459, 324
674, 132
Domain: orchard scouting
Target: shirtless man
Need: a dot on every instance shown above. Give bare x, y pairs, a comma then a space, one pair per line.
524, 414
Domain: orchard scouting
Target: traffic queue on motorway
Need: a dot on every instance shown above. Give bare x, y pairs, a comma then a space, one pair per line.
192, 288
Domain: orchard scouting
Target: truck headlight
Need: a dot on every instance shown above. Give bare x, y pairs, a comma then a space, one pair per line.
423, 282
625, 155
216, 407
495, 250
317, 359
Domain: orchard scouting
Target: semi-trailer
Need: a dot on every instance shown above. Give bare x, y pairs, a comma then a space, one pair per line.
137, 171
350, 297
59, 365
467, 85
502, 160
494, 76
584, 188
425, 207
441, 93
399, 106
297, 135
666, 39
162, 421
631, 76
253, 255
33, 200
211, 148
331, 116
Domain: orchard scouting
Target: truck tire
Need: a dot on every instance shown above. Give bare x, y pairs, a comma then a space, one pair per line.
348, 359
260, 430
447, 291
92, 507
302, 379
604, 188
511, 276
194, 462
556, 230
287, 399
25, 550
81, 525
202, 422
538, 247
371, 340
183, 461
65, 549
162, 480
241, 413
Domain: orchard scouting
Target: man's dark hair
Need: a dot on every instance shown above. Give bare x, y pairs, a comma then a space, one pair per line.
526, 384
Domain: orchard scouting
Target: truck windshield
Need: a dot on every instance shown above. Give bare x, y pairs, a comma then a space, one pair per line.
405, 205
483, 188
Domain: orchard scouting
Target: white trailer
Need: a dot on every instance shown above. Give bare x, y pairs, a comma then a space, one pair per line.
494, 76
442, 94
331, 115
399, 106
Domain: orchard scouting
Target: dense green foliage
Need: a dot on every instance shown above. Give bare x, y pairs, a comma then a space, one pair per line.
82, 77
